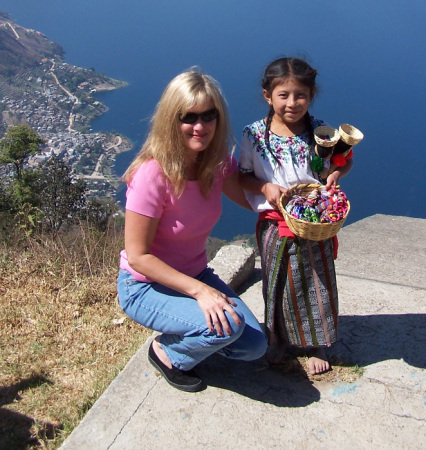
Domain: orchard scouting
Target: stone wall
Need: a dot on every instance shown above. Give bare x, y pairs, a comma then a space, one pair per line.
234, 263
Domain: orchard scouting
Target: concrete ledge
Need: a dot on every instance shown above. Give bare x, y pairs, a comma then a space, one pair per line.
382, 309
388, 249
234, 264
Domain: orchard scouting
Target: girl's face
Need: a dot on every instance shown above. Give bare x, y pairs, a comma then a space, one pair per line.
290, 100
198, 127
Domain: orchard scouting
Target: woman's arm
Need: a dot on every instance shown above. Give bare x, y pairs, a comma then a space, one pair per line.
271, 191
233, 190
139, 234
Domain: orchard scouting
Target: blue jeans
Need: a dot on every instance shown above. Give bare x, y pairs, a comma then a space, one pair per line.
186, 338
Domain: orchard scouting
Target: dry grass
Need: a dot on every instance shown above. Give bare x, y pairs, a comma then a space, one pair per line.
63, 337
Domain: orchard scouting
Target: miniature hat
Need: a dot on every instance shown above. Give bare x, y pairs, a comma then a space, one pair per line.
350, 134
326, 138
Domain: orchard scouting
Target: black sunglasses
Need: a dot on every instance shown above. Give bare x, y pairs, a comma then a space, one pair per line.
206, 116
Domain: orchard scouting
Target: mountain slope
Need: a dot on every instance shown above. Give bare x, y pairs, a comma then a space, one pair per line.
22, 49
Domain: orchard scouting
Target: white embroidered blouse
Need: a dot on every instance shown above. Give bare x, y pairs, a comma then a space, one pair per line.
293, 153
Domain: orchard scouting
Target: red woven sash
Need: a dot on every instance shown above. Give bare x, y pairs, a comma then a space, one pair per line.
284, 230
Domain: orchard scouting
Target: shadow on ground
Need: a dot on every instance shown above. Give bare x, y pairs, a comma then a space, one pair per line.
254, 278
16, 430
259, 382
366, 340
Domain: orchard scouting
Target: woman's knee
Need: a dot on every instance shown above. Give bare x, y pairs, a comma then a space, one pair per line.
253, 341
224, 338
258, 345
237, 330
252, 344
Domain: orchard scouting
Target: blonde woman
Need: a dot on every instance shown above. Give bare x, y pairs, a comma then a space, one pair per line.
174, 189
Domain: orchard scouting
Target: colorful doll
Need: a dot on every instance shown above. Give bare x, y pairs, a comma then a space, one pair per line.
333, 147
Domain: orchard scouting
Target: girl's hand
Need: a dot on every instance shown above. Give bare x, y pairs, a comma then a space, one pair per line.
338, 173
273, 193
332, 179
214, 303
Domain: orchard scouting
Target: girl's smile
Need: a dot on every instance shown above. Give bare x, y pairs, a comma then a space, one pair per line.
290, 101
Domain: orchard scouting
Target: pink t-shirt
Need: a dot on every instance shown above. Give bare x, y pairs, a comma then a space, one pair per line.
185, 221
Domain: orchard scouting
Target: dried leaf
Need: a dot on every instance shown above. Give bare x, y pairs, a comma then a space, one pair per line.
119, 321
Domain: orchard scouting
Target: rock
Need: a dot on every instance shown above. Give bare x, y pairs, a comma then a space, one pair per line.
234, 263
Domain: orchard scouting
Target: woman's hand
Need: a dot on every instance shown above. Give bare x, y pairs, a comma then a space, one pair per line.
139, 233
273, 193
214, 303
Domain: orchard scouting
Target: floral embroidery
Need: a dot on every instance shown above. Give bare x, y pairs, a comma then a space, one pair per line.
295, 149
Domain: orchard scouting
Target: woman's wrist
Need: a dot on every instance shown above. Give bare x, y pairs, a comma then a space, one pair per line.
197, 289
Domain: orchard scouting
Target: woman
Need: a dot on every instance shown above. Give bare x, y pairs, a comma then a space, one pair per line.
173, 201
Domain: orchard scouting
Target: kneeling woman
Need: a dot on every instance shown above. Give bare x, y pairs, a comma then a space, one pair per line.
174, 188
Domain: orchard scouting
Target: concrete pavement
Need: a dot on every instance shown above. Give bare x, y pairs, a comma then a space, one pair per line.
382, 290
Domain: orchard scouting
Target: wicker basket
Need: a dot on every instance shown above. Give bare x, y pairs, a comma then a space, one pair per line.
309, 230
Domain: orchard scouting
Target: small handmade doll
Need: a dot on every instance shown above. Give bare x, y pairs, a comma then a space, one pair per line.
320, 206
333, 147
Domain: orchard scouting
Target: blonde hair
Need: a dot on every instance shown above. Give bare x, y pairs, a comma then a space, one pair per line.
165, 141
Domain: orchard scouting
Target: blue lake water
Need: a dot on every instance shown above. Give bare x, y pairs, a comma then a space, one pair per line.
370, 58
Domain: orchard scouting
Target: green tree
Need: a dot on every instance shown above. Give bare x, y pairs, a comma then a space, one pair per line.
61, 195
24, 189
99, 212
5, 196
19, 142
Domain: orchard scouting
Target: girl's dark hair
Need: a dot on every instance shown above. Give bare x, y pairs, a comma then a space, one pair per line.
279, 71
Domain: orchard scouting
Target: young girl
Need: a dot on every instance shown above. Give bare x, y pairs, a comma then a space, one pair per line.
173, 201
299, 280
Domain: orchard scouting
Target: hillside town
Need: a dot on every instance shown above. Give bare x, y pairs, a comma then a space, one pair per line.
57, 101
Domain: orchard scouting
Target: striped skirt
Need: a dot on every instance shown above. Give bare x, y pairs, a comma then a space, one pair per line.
299, 288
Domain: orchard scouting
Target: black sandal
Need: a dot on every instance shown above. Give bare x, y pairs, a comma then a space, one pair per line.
184, 380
